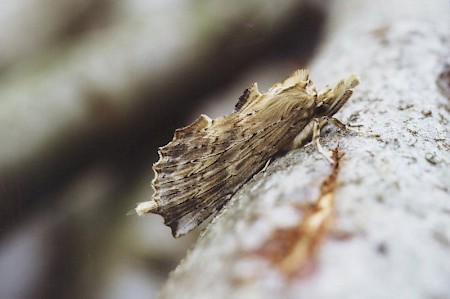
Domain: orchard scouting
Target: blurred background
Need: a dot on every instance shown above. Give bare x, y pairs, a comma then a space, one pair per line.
88, 91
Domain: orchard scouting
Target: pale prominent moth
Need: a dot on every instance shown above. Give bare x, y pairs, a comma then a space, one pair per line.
209, 160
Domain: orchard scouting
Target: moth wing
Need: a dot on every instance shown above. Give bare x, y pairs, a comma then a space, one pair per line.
297, 77
250, 95
209, 160
200, 169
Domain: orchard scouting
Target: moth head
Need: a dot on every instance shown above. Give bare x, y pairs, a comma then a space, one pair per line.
330, 100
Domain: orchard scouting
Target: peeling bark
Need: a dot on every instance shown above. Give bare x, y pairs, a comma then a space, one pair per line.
391, 231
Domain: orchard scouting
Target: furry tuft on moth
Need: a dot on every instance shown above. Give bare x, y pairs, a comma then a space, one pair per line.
210, 159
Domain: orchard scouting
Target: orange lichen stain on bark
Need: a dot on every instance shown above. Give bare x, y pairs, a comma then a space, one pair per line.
292, 250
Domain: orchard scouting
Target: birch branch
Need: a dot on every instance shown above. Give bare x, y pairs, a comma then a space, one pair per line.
390, 236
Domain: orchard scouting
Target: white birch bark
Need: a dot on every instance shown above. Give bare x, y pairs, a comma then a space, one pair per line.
390, 236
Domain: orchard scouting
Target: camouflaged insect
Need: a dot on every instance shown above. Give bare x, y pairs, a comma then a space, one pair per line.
209, 160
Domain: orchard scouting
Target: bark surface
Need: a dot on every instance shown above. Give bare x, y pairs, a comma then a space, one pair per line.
390, 230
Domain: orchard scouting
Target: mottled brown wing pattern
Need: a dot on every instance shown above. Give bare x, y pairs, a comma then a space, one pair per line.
192, 182
249, 95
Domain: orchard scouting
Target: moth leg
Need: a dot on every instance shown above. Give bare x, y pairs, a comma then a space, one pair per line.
338, 123
311, 134
303, 138
317, 125
350, 127
267, 164
306, 136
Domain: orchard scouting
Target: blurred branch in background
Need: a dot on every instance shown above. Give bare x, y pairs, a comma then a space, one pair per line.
104, 94
88, 91
29, 28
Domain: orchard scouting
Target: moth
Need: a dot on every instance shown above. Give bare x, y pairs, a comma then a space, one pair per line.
209, 160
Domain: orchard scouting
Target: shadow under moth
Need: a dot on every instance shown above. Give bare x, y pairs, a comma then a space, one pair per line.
209, 160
